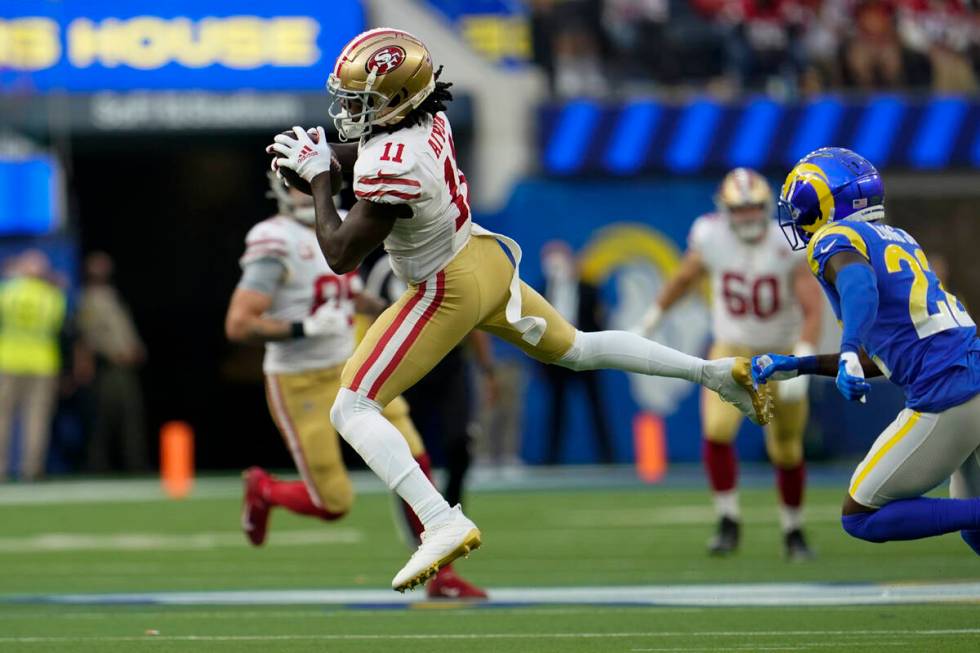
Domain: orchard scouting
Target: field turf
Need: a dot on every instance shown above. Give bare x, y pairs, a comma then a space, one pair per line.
119, 537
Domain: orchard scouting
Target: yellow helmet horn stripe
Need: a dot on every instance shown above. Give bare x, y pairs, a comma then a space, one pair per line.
813, 175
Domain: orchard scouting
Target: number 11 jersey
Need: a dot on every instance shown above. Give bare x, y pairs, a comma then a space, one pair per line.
416, 166
753, 302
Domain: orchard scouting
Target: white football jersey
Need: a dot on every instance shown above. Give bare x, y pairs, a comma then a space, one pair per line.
416, 166
753, 302
308, 284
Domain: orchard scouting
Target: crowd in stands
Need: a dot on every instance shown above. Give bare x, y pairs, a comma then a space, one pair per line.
785, 48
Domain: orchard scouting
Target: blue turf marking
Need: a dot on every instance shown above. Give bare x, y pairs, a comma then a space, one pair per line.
756, 128
570, 138
695, 129
878, 129
938, 128
634, 130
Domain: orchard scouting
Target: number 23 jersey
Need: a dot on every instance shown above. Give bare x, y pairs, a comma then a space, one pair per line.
416, 166
753, 302
922, 337
306, 284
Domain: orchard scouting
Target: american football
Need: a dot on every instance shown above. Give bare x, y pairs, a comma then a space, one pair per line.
295, 181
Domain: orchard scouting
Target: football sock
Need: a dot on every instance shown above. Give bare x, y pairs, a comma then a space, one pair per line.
790, 519
620, 350
294, 496
411, 520
383, 448
911, 519
721, 467
720, 464
973, 539
726, 504
791, 482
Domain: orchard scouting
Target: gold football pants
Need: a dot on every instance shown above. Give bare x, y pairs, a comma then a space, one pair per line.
300, 406
432, 317
784, 434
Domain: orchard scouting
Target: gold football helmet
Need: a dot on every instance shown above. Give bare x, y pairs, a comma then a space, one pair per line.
380, 76
745, 199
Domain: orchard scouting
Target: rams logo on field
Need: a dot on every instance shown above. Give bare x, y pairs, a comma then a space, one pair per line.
385, 60
638, 260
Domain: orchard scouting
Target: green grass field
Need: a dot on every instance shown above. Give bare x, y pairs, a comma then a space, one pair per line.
117, 542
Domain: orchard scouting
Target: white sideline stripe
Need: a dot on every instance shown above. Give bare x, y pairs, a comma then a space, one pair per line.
174, 542
472, 636
729, 595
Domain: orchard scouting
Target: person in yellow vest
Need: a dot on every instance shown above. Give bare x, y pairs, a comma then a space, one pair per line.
32, 312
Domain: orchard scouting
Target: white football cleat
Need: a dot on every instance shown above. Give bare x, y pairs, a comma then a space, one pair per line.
441, 544
731, 378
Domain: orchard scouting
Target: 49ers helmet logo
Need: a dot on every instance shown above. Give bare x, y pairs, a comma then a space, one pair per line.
386, 59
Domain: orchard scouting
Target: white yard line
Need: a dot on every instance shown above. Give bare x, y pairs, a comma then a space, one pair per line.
965, 632
720, 595
61, 542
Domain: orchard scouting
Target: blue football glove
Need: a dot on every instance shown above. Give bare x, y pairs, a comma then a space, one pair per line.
850, 378
774, 367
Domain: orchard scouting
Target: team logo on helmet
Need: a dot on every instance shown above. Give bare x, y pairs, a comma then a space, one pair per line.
385, 60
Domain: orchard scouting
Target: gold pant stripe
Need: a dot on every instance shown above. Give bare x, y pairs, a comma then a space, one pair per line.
885, 448
285, 423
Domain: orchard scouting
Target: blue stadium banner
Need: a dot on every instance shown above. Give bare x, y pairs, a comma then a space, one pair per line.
216, 45
30, 196
646, 136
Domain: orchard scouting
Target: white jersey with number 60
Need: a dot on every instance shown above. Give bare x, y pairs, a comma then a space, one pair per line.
753, 301
307, 284
416, 166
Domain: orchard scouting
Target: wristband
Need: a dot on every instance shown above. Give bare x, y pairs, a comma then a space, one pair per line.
296, 330
807, 365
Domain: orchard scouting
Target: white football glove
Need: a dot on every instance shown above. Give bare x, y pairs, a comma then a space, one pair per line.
300, 154
796, 388
649, 321
325, 320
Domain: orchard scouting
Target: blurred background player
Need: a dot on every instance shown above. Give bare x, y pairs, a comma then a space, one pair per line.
32, 314
289, 299
760, 290
442, 402
109, 337
578, 302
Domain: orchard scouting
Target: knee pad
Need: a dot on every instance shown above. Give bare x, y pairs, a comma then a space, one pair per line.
347, 407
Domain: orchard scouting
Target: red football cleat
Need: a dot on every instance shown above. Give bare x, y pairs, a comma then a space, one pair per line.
255, 509
447, 585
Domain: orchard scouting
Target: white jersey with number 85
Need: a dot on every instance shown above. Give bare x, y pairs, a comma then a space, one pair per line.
753, 300
307, 284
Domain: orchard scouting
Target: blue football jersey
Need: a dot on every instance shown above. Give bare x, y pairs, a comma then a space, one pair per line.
922, 338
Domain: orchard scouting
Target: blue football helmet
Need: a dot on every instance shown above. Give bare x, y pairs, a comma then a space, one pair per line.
827, 185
